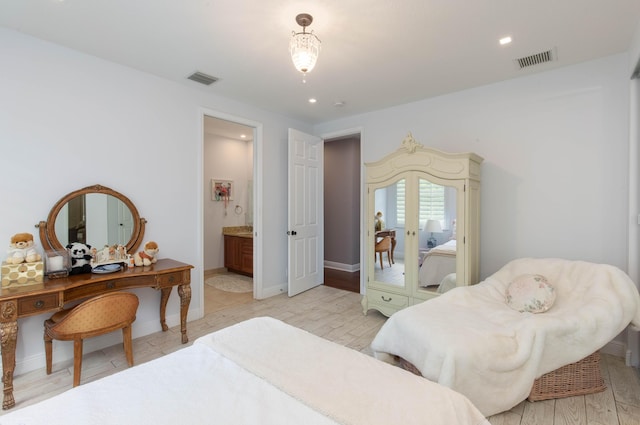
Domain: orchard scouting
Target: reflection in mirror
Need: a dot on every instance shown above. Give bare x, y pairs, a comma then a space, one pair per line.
389, 207
434, 216
95, 215
437, 243
96, 219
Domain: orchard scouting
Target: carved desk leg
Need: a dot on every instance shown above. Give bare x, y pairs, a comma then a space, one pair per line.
8, 338
164, 297
185, 298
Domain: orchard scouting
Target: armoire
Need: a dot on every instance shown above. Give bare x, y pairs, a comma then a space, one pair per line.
408, 192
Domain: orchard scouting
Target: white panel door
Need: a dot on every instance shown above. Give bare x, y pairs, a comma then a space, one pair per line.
125, 219
305, 226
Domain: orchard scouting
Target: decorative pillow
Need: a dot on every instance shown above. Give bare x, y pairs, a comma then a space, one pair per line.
530, 292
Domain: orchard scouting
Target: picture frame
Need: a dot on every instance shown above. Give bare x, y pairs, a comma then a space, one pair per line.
222, 190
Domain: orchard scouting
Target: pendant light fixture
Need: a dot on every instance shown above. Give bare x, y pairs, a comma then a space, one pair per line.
304, 46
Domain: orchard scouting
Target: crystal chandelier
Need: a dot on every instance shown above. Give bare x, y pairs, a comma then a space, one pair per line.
304, 46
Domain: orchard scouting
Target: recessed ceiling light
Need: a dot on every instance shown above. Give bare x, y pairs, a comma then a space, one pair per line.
313, 100
243, 136
505, 40
338, 103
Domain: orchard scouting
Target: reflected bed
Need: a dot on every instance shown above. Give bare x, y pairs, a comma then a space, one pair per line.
438, 264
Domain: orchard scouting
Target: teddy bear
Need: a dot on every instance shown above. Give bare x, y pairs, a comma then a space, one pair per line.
147, 256
22, 249
80, 255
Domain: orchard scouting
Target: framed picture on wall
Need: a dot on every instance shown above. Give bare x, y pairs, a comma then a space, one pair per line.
221, 190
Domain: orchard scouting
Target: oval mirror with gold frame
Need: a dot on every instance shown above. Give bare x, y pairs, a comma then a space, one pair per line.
95, 215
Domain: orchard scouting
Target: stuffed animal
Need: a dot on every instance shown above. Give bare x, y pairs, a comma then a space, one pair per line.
122, 252
147, 256
80, 255
22, 248
378, 222
108, 253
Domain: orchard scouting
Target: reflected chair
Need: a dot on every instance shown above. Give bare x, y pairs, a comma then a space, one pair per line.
96, 316
384, 245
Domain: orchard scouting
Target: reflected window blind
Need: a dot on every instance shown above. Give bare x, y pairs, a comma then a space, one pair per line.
431, 202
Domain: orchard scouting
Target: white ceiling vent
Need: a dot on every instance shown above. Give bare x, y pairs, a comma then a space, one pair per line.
202, 78
535, 59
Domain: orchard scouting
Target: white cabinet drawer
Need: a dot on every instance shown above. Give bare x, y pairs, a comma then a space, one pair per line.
391, 300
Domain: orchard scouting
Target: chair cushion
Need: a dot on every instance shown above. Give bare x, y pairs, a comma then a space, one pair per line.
531, 293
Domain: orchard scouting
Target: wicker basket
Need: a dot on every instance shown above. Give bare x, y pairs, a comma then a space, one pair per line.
408, 366
574, 379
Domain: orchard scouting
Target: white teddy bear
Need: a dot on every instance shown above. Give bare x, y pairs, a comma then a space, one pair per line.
22, 249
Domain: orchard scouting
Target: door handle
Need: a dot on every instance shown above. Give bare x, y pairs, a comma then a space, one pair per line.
292, 232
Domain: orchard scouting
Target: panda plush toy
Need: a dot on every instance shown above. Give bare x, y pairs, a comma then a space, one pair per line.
80, 255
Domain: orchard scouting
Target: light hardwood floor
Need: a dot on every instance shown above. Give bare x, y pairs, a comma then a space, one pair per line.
336, 315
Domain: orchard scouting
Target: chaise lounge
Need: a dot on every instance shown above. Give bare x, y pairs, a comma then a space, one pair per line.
476, 340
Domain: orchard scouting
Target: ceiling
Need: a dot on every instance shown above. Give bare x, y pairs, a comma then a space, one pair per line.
375, 53
227, 129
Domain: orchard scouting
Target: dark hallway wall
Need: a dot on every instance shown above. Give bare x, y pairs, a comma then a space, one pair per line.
342, 202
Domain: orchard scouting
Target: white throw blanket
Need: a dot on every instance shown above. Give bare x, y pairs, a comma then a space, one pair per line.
469, 339
341, 383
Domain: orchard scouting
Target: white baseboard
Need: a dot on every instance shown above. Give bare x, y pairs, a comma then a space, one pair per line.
342, 267
215, 271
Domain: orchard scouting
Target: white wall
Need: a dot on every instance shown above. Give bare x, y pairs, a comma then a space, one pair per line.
224, 159
555, 175
634, 160
634, 186
69, 120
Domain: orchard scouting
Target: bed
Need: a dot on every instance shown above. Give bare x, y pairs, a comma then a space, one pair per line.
258, 371
439, 263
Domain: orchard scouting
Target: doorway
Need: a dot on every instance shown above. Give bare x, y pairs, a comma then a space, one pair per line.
342, 206
228, 174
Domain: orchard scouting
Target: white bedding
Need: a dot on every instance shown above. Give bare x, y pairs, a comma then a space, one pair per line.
260, 371
437, 264
469, 339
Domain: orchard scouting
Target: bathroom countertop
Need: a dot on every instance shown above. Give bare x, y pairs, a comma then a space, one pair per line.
240, 231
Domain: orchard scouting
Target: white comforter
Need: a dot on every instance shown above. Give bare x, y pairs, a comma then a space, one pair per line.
468, 339
261, 371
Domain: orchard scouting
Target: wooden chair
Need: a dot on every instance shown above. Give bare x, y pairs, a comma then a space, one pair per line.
96, 316
384, 245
